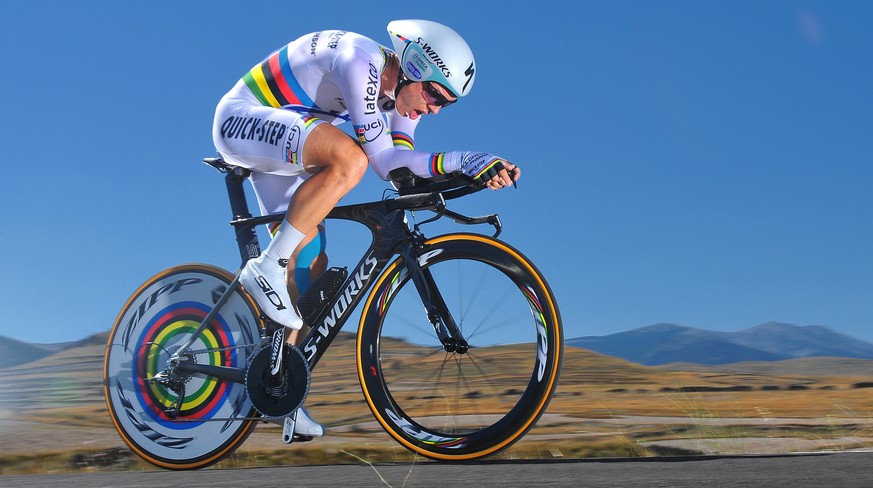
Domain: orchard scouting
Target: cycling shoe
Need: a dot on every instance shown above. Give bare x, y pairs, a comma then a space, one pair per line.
307, 427
265, 282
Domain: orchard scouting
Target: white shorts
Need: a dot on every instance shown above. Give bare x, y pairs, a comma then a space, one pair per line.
263, 139
267, 140
274, 192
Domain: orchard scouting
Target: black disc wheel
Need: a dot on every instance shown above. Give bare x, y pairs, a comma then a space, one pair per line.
476, 397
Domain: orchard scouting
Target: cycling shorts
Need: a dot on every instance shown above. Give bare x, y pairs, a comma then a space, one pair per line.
263, 139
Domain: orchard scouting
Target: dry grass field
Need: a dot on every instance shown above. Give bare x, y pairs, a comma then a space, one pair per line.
53, 419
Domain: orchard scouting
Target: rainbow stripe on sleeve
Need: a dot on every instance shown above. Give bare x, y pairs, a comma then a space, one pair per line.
437, 160
402, 140
274, 84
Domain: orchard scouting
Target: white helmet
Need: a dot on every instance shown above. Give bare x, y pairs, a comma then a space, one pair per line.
429, 51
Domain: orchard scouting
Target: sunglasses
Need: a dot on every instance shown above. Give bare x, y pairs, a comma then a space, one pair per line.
438, 98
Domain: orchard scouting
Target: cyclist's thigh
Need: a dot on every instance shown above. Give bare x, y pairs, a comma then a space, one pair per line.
264, 139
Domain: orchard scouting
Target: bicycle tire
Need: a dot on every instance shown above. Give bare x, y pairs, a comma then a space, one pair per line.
452, 406
159, 317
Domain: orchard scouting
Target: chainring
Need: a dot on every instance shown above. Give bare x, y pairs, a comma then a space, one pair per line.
278, 396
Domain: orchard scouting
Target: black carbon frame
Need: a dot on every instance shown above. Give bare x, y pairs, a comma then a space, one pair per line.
391, 236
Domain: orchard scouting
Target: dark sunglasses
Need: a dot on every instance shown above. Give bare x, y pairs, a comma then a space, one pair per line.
439, 99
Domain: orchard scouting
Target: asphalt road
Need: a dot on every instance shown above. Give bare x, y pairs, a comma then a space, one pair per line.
794, 471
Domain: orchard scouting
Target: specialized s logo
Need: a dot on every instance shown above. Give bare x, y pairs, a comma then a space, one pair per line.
370, 131
469, 72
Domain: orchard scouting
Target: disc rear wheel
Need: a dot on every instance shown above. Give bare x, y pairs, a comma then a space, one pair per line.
171, 419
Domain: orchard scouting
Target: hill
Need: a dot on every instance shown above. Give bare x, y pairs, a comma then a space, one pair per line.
13, 352
669, 343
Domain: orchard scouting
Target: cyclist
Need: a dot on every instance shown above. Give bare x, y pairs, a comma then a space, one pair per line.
280, 121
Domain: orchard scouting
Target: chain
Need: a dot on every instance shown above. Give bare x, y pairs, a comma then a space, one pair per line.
217, 349
226, 419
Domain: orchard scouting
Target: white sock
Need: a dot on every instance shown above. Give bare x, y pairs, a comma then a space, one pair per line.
286, 241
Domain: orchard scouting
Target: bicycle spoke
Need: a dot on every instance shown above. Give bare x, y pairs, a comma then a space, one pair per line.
495, 326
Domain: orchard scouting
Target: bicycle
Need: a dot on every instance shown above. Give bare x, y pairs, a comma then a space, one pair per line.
192, 365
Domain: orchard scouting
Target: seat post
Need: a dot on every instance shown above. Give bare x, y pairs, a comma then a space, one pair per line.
246, 237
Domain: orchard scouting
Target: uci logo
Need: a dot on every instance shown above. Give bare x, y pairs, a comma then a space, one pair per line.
369, 132
413, 70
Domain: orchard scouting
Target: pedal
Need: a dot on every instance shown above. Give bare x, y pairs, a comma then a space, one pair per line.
288, 435
288, 428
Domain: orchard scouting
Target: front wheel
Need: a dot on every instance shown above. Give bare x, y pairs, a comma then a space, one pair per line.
208, 417
471, 403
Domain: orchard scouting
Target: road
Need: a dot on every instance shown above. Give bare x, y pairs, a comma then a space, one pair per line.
845, 469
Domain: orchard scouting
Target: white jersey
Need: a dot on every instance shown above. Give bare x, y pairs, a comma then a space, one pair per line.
333, 76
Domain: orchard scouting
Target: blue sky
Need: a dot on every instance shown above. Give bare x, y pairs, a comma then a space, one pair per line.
702, 163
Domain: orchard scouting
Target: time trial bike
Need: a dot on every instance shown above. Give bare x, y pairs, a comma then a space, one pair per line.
458, 351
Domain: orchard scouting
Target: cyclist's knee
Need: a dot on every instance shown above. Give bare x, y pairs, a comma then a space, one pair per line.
351, 165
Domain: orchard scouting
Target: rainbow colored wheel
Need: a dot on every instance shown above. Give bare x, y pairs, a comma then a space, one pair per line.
213, 416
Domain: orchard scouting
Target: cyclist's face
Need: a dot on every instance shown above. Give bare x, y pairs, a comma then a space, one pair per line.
421, 98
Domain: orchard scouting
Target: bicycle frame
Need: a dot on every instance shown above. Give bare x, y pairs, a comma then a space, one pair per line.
391, 235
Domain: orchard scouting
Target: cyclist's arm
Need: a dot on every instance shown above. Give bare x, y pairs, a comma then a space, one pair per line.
358, 76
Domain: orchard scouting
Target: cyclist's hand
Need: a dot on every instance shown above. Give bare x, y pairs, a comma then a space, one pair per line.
489, 170
505, 177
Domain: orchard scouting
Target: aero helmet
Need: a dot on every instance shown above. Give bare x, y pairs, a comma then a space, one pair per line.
429, 51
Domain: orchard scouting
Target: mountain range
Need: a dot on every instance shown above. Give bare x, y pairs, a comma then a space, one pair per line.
14, 352
654, 345
669, 343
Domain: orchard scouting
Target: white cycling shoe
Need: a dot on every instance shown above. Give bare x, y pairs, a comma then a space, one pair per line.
305, 426
264, 279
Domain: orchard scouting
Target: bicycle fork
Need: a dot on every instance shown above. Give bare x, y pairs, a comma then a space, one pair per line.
435, 307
